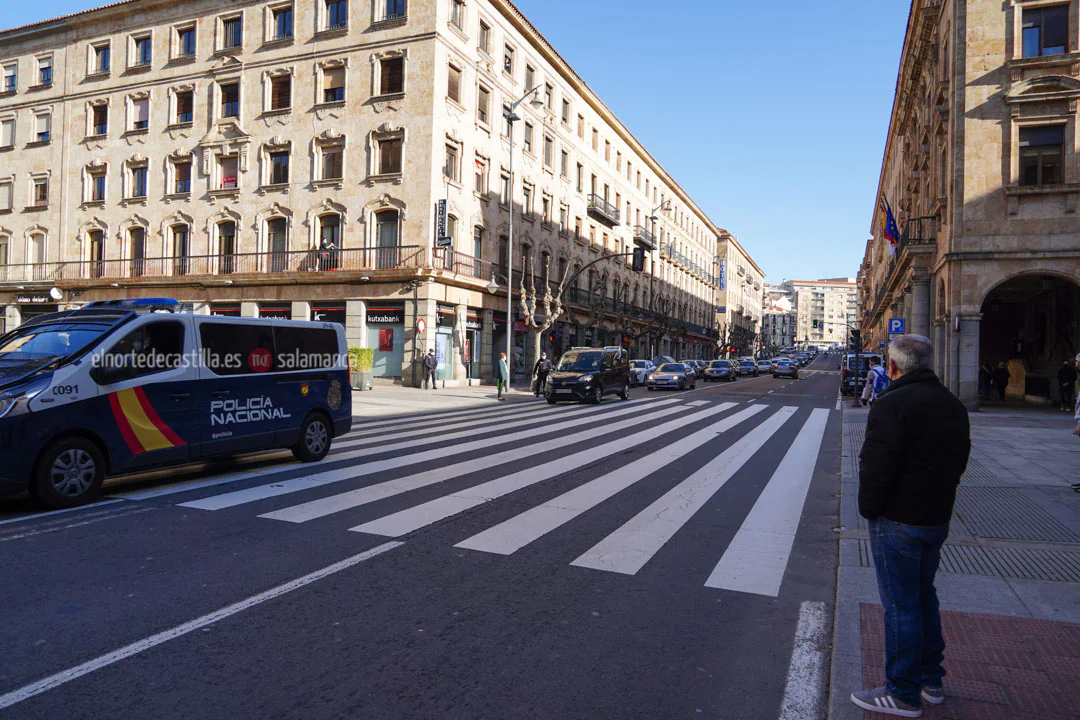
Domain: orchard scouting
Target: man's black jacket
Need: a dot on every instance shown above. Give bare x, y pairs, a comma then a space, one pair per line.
917, 445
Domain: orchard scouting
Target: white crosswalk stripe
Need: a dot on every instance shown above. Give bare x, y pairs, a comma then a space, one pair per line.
519, 531
363, 496
415, 419
284, 487
406, 521
496, 446
628, 549
757, 557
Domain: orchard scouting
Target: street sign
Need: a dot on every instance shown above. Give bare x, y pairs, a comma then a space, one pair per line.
444, 242
896, 326
421, 326
440, 219
881, 344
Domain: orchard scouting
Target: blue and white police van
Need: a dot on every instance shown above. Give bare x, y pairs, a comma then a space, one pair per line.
123, 386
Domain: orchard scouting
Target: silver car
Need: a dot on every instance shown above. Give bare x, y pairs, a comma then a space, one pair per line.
677, 376
640, 371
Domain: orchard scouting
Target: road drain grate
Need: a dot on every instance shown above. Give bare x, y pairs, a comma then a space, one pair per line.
1008, 514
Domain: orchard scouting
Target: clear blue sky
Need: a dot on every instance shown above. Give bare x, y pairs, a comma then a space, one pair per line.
773, 120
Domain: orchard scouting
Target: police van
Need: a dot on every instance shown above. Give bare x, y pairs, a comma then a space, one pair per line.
123, 386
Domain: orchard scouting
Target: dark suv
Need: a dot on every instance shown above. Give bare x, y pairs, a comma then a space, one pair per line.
589, 374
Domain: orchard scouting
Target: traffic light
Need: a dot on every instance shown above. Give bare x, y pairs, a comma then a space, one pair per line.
856, 340
815, 324
639, 260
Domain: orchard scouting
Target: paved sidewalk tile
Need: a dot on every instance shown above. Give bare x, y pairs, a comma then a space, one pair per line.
999, 668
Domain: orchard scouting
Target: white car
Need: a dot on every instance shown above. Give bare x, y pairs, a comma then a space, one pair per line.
640, 370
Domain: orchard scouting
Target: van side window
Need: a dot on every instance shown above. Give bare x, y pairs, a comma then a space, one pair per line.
152, 348
304, 348
237, 348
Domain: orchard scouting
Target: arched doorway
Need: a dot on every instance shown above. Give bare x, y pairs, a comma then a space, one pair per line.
1031, 324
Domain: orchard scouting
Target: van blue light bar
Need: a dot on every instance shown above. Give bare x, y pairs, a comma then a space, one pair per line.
135, 303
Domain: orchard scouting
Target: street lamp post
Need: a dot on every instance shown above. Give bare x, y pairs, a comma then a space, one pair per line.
664, 207
511, 118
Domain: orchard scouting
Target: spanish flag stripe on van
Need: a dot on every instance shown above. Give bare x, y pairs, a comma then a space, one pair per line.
141, 427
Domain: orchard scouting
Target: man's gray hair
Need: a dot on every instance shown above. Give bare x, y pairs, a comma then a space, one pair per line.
911, 353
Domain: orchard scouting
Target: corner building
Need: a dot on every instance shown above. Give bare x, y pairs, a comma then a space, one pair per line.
288, 159
982, 170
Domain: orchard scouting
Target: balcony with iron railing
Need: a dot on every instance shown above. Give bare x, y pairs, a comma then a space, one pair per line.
460, 263
643, 236
602, 210
921, 231
234, 264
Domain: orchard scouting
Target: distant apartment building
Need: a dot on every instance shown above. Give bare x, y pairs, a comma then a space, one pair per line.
779, 319
982, 173
825, 309
310, 158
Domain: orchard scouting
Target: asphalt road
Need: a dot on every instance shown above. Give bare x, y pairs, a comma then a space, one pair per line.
518, 562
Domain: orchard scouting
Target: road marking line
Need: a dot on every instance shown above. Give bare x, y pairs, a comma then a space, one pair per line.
50, 513
631, 546
517, 532
54, 681
419, 516
31, 532
351, 472
372, 493
495, 424
698, 403
838, 401
805, 690
492, 412
757, 558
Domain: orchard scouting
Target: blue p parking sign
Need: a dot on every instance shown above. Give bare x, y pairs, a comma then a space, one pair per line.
896, 326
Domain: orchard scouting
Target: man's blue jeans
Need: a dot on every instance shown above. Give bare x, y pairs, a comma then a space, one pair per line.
906, 559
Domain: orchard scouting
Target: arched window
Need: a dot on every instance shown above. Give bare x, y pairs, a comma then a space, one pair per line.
329, 241
137, 250
181, 248
226, 232
387, 238
97, 253
277, 235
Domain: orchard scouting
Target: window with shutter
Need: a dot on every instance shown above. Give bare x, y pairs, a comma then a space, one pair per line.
185, 103
390, 156
7, 133
393, 76
331, 163
227, 168
101, 119
230, 100
483, 105
5, 196
45, 71
279, 168
334, 85
183, 177
140, 114
281, 93
453, 87
10, 78
44, 128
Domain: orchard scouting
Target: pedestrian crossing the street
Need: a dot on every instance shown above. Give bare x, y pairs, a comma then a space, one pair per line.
439, 468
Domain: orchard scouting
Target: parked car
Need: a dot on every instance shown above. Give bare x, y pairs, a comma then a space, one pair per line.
786, 368
764, 366
719, 370
589, 374
748, 367
640, 371
679, 376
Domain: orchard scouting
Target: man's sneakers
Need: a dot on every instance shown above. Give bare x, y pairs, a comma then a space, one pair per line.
880, 700
935, 695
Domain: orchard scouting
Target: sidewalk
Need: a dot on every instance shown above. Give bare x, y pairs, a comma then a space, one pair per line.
1009, 581
387, 400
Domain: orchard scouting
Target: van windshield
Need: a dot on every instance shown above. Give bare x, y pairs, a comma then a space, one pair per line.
45, 343
580, 361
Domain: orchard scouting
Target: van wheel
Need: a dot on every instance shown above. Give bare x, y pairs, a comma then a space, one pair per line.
314, 440
551, 400
597, 394
69, 473
625, 394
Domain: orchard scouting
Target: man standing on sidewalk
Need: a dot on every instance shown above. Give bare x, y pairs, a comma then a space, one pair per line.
917, 445
431, 367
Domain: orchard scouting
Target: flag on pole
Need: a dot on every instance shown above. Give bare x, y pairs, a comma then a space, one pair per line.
888, 225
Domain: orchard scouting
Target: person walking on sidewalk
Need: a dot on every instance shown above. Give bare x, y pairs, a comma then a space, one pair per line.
502, 375
1067, 385
918, 440
986, 380
540, 372
876, 381
431, 367
1001, 380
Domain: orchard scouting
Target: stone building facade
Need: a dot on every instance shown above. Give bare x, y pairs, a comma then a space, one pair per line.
779, 320
304, 158
740, 298
982, 171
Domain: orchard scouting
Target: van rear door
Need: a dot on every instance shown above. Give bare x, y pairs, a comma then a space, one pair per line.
306, 374
239, 404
